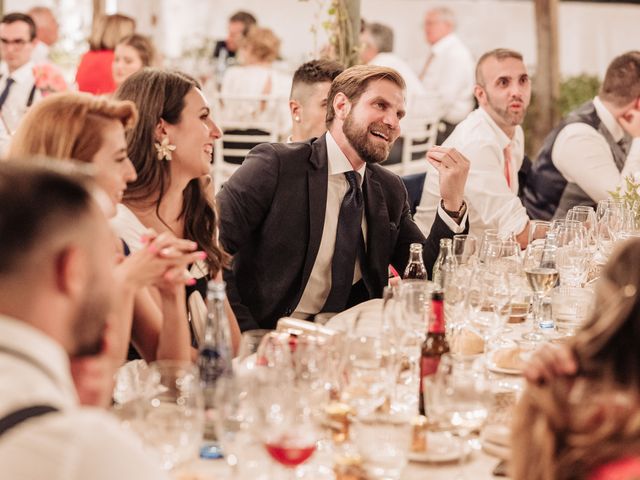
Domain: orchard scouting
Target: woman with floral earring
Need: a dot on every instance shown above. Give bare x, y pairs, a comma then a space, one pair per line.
171, 148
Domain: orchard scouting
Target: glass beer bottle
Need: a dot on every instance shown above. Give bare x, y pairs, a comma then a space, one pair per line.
415, 268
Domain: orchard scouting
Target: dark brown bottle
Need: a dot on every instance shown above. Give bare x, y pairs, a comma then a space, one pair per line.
415, 268
434, 345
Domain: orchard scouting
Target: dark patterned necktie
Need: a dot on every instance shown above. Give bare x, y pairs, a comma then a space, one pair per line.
5, 92
348, 241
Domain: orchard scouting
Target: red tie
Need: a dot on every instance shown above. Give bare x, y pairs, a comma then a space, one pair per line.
507, 164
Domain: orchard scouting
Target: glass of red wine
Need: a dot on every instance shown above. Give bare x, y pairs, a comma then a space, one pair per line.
285, 418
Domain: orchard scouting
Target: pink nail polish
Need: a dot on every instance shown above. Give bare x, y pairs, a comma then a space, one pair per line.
191, 282
202, 255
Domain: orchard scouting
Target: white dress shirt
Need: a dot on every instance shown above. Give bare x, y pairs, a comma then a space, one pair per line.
76, 443
491, 203
451, 76
584, 157
319, 285
15, 106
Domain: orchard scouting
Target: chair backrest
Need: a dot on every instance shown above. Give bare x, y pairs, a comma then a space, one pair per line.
414, 184
245, 121
418, 139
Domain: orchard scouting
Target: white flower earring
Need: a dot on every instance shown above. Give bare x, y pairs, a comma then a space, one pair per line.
164, 148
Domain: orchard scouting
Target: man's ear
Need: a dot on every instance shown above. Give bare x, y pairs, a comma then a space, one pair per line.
71, 270
479, 93
341, 106
296, 110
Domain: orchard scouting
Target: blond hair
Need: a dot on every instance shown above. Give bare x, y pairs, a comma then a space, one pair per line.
69, 125
263, 44
108, 30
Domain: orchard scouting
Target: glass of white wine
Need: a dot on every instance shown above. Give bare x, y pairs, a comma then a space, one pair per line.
542, 274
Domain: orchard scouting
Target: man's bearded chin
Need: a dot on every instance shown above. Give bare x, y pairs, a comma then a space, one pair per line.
358, 137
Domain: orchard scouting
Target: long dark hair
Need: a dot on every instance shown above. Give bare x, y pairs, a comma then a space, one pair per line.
159, 94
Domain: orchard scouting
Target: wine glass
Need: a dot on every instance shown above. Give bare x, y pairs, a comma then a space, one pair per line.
464, 247
542, 275
537, 231
457, 397
174, 415
285, 422
489, 235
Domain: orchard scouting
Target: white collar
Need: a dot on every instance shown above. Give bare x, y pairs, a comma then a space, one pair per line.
24, 74
443, 43
617, 132
501, 137
338, 161
42, 351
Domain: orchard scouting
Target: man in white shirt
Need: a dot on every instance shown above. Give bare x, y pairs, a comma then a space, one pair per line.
46, 33
56, 282
492, 139
308, 99
448, 69
313, 226
593, 149
17, 83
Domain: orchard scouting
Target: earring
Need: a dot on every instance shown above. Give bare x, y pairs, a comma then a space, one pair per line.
164, 148
297, 118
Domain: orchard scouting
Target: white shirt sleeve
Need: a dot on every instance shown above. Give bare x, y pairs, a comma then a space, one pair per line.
583, 156
487, 192
450, 222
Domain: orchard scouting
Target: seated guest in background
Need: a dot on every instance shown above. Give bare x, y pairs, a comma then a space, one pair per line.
92, 130
448, 69
313, 226
587, 425
225, 50
132, 53
46, 33
171, 147
257, 76
56, 280
308, 99
492, 139
94, 71
593, 149
18, 89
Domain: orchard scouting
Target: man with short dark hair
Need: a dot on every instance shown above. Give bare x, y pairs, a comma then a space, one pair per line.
225, 50
492, 139
308, 99
56, 287
18, 90
314, 226
593, 149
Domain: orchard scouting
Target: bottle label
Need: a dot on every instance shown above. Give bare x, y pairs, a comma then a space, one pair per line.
437, 317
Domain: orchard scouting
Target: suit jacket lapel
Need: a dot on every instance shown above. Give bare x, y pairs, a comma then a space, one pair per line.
378, 234
317, 189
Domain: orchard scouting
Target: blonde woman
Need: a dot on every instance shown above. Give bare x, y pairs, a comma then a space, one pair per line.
94, 71
92, 130
587, 425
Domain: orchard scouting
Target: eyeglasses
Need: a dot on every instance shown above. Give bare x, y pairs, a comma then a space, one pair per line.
19, 42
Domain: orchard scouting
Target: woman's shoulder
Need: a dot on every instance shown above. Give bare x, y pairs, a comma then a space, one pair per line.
128, 227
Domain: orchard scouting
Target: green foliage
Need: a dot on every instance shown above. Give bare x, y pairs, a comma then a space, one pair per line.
574, 91
630, 195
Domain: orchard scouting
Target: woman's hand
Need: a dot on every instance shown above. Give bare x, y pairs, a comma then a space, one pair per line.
162, 262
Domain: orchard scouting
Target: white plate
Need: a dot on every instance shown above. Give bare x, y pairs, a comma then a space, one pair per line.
441, 447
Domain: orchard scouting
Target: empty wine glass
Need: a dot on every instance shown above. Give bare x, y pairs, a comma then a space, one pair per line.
537, 231
464, 247
174, 415
458, 398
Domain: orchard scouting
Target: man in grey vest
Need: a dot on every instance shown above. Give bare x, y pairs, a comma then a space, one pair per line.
592, 150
